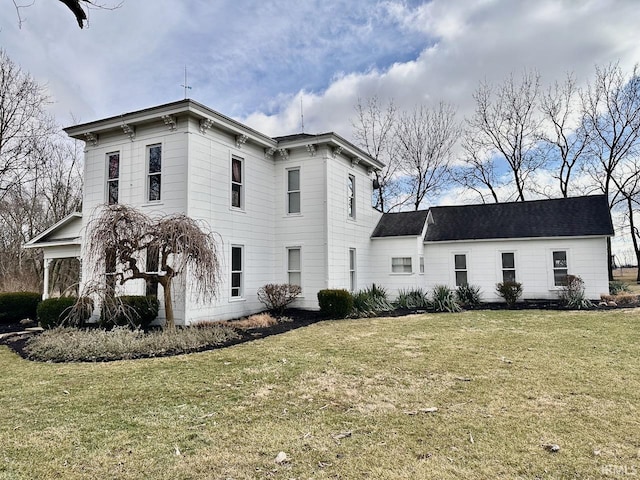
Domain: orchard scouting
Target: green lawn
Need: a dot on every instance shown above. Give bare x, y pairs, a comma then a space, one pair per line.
344, 399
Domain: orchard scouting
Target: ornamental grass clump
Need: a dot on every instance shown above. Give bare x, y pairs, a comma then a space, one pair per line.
121, 343
468, 295
412, 298
443, 299
510, 291
371, 301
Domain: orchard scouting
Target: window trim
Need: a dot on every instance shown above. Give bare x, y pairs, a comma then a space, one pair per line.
421, 264
115, 180
504, 269
240, 287
351, 197
404, 264
241, 184
291, 191
457, 270
291, 270
150, 174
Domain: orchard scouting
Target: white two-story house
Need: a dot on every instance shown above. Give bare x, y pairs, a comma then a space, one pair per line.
297, 209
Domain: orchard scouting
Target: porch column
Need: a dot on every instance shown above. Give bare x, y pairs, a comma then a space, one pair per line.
47, 264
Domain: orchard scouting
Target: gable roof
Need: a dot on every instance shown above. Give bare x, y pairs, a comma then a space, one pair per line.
65, 232
400, 224
562, 217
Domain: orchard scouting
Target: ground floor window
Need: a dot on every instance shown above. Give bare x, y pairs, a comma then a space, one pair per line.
352, 270
401, 265
294, 266
460, 269
508, 267
153, 264
237, 260
560, 268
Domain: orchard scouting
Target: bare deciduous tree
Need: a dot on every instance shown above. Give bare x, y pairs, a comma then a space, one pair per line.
565, 136
425, 138
76, 7
611, 108
373, 131
179, 241
23, 122
505, 126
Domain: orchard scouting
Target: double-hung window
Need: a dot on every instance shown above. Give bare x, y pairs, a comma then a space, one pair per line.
237, 273
460, 269
352, 270
560, 268
294, 266
237, 183
153, 265
293, 191
401, 265
508, 267
351, 197
110, 270
113, 177
154, 172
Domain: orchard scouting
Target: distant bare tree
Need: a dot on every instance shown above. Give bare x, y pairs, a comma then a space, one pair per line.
566, 137
627, 182
505, 126
373, 131
23, 123
611, 108
425, 138
124, 235
76, 7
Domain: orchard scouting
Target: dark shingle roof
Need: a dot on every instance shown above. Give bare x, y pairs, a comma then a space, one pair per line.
562, 217
400, 224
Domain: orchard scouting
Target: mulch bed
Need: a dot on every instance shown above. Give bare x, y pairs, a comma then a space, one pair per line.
299, 318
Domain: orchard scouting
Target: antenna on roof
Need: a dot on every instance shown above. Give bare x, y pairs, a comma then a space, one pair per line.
301, 117
186, 85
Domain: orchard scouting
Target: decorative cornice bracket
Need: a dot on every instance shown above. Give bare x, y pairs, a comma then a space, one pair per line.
241, 140
355, 161
205, 124
284, 153
336, 151
91, 138
268, 153
170, 121
312, 149
129, 130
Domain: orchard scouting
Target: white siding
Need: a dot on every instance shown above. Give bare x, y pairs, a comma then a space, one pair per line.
586, 259
383, 250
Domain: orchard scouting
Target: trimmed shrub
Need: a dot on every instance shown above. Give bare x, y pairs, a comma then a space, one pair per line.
335, 303
572, 294
468, 295
15, 306
371, 301
412, 298
53, 312
136, 311
618, 286
276, 296
510, 291
444, 299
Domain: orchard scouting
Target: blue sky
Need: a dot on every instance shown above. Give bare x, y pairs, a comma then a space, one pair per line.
255, 60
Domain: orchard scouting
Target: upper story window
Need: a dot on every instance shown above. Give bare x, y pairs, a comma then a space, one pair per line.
508, 267
460, 269
401, 265
113, 177
351, 196
293, 191
237, 182
560, 268
154, 173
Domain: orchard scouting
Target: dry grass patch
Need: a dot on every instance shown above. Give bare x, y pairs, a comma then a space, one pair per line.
343, 400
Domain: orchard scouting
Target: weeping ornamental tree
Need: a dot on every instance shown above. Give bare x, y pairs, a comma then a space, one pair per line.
127, 242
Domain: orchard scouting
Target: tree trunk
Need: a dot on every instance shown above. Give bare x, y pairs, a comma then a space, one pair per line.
168, 305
